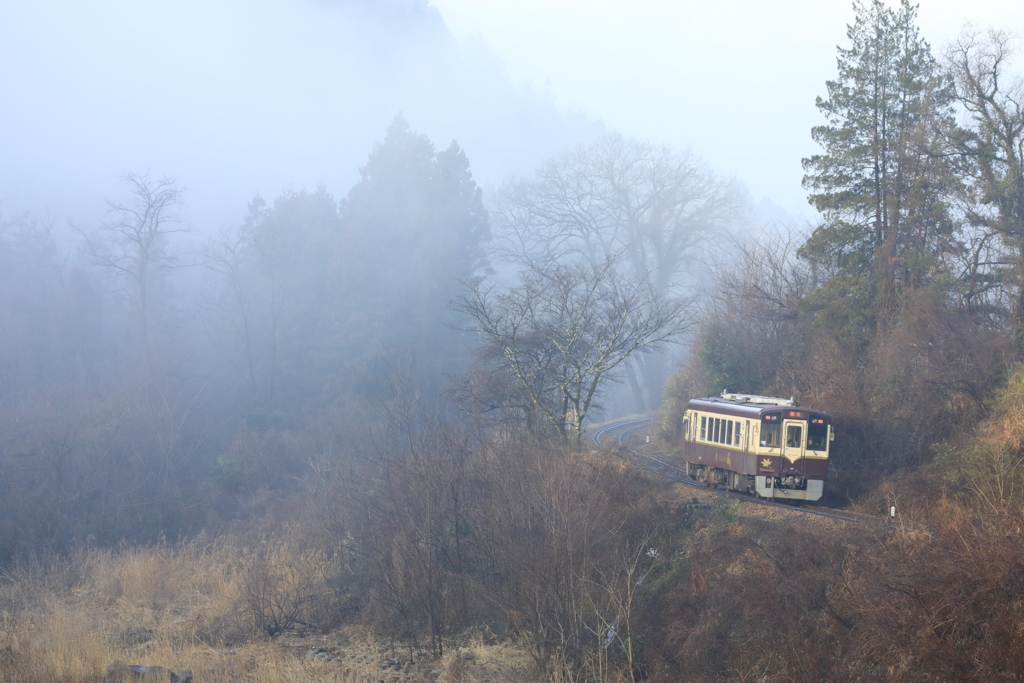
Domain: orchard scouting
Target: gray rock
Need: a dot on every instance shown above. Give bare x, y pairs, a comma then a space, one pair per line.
119, 672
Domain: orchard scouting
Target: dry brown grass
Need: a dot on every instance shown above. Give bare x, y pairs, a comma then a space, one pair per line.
182, 607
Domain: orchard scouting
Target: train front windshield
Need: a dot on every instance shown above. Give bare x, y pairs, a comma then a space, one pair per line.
771, 430
817, 434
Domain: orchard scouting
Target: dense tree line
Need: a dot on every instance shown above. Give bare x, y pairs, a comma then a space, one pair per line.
154, 384
900, 311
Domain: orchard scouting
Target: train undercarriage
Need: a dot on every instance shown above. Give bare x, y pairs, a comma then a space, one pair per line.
792, 489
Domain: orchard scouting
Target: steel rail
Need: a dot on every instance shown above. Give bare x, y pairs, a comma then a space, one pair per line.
618, 425
673, 473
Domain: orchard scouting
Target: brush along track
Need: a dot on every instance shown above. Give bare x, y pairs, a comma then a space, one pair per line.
678, 475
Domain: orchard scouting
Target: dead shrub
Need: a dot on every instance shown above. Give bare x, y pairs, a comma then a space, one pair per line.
286, 580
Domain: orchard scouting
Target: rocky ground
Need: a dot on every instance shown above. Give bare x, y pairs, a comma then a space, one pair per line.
346, 657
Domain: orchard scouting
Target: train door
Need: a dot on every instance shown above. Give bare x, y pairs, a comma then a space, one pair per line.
687, 435
794, 443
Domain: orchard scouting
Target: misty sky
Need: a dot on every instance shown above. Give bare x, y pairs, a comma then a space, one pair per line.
234, 97
735, 80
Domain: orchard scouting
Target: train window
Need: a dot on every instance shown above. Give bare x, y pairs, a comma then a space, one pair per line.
703, 427
817, 434
736, 434
728, 432
794, 436
771, 430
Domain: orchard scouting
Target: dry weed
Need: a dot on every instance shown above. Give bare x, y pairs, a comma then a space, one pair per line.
164, 605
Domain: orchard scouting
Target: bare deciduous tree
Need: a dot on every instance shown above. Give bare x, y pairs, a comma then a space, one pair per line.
134, 244
563, 329
652, 209
992, 146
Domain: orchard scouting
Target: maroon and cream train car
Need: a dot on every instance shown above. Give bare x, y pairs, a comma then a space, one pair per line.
770, 447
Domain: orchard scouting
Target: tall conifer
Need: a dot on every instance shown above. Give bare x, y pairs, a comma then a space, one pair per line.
880, 183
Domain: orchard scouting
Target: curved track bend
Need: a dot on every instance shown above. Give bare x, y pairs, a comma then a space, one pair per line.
673, 473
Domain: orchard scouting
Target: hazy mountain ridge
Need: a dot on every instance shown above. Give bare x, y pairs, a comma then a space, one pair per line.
234, 98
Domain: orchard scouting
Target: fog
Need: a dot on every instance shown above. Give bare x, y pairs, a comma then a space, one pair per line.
230, 100
309, 309
734, 81
234, 98
233, 233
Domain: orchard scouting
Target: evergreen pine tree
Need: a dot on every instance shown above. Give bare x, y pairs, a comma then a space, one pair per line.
881, 183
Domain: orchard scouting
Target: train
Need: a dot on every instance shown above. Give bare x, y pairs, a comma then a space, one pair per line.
769, 447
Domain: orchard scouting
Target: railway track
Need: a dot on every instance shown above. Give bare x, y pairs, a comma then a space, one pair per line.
673, 473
